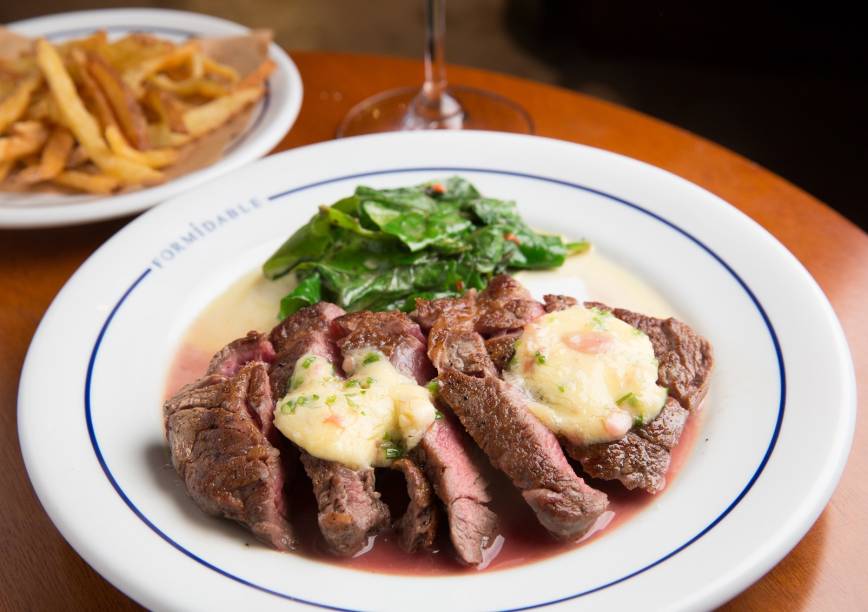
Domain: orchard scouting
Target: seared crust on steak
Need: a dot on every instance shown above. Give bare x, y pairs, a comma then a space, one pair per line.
417, 527
252, 347
392, 333
228, 466
501, 349
640, 459
349, 509
444, 455
517, 443
505, 306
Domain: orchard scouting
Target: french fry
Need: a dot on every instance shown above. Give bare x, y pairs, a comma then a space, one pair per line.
223, 71
162, 136
91, 90
5, 167
189, 87
135, 77
53, 159
101, 184
83, 125
77, 157
95, 115
14, 106
211, 115
26, 138
155, 158
126, 109
258, 76
167, 108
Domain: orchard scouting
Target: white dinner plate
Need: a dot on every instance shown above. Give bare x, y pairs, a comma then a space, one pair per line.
774, 434
269, 122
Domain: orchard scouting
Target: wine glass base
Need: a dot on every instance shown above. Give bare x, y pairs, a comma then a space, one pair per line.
393, 111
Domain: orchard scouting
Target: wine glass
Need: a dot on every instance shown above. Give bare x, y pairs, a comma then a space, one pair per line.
436, 106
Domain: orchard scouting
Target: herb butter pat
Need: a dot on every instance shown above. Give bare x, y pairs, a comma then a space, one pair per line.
590, 376
367, 420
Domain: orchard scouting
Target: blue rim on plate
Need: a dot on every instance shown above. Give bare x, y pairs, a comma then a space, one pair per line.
612, 198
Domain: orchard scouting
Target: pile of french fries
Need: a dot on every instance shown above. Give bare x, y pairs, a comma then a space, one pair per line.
95, 116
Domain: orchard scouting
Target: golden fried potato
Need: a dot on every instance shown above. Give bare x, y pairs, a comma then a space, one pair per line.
83, 125
126, 109
101, 184
25, 138
13, 107
53, 159
211, 115
155, 158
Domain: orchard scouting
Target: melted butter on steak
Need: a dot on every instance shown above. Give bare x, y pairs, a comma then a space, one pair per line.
589, 375
367, 420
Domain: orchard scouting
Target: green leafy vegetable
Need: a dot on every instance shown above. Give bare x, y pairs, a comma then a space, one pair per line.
380, 249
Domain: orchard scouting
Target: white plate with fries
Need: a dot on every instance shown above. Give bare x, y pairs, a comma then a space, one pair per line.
106, 113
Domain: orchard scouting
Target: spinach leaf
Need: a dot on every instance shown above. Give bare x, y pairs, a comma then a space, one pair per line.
306, 293
380, 249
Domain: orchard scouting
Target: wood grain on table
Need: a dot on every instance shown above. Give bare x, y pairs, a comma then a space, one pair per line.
825, 571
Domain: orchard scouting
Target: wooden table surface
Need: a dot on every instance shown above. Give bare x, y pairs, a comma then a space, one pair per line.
39, 570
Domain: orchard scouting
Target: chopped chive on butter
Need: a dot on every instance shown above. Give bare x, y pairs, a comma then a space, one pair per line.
629, 398
540, 358
438, 416
315, 397
562, 388
370, 358
331, 399
433, 386
287, 408
367, 383
351, 383
394, 453
638, 421
638, 332
296, 383
351, 403
308, 361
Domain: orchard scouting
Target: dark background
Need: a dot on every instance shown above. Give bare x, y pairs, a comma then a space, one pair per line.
786, 87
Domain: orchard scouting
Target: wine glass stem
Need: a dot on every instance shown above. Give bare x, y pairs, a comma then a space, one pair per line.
435, 57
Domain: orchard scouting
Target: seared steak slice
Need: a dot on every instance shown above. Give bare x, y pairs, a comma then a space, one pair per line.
505, 306
417, 528
460, 485
392, 333
227, 464
349, 509
496, 416
306, 331
685, 357
252, 347
554, 303
312, 319
501, 349
640, 459
428, 311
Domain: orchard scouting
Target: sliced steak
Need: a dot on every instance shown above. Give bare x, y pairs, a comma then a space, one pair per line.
516, 442
228, 466
554, 303
349, 509
445, 456
454, 344
640, 459
505, 306
306, 331
252, 347
417, 527
685, 357
501, 349
428, 311
392, 333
